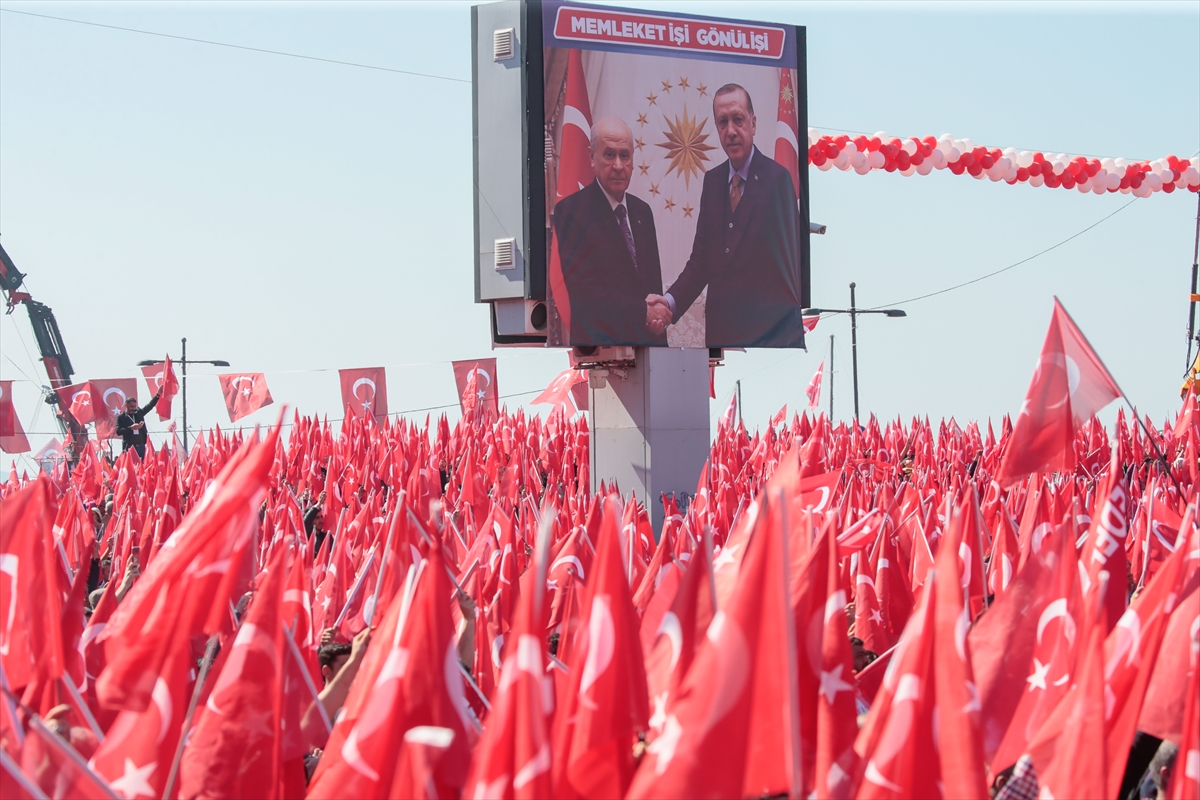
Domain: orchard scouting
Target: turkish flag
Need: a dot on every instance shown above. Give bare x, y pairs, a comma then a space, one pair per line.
574, 172
12, 435
364, 391
245, 393
81, 400
112, 394
787, 130
480, 374
1069, 386
561, 390
162, 376
814, 390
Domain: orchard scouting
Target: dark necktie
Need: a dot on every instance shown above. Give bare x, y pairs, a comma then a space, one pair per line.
623, 219
735, 192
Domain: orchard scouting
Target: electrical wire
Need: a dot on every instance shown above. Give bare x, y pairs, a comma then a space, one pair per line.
242, 47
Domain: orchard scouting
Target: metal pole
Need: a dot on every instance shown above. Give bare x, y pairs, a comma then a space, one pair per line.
831, 377
184, 390
738, 386
854, 347
1191, 302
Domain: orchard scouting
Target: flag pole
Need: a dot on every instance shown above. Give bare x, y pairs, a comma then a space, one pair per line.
1162, 458
796, 789
210, 653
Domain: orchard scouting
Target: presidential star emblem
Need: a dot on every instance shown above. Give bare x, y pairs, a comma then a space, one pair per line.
135, 782
786, 94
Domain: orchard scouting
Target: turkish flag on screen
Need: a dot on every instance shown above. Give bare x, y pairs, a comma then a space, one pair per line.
162, 376
12, 435
245, 393
364, 391
112, 393
1069, 386
787, 131
482, 372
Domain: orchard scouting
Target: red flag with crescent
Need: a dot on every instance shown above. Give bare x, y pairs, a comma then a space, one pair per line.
787, 131
574, 173
1069, 386
111, 393
364, 391
162, 376
245, 393
77, 398
12, 435
482, 373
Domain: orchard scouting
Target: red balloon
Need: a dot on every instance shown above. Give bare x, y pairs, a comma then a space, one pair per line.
975, 169
1052, 180
930, 142
1022, 174
1168, 187
1068, 180
1093, 167
1038, 158
957, 167
1035, 168
903, 160
917, 159
873, 143
1124, 183
966, 159
987, 162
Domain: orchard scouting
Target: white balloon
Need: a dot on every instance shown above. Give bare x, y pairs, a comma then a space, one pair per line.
1083, 188
1107, 164
1126, 190
825, 166
1112, 181
850, 148
925, 167
994, 175
1036, 180
908, 172
967, 144
937, 159
880, 135
813, 136
944, 146
1195, 162
1191, 175
1004, 163
858, 160
1011, 175
1153, 181
1120, 164
877, 160
1181, 183
953, 155
1099, 189
1024, 158
842, 161
863, 169
909, 146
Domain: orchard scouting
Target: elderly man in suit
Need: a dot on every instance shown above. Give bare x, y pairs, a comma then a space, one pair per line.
609, 248
747, 245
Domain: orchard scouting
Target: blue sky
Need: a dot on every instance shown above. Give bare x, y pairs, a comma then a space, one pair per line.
294, 217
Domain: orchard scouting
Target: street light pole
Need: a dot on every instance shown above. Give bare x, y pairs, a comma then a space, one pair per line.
854, 347
183, 382
853, 311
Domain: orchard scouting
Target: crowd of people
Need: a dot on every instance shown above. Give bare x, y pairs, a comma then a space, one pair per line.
399, 610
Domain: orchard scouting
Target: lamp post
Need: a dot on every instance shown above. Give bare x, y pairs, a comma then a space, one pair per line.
183, 381
854, 311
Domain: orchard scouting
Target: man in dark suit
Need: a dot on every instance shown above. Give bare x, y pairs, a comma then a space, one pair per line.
747, 245
609, 249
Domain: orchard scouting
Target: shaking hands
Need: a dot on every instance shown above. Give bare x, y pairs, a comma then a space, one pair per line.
658, 313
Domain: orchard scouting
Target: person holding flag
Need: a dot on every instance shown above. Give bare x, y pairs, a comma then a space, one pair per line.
131, 424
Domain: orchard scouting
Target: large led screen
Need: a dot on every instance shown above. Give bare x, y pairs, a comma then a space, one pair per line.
676, 179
